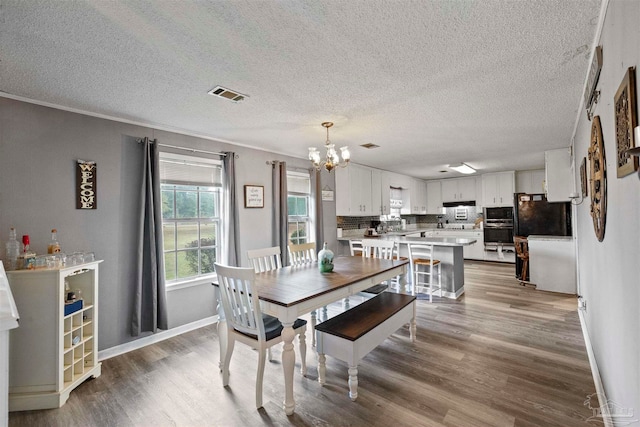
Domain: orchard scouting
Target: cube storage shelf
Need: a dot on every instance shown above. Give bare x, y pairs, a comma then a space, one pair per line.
52, 353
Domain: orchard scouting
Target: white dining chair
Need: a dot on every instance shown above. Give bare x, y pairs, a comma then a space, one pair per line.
302, 253
247, 324
355, 247
383, 249
265, 259
421, 255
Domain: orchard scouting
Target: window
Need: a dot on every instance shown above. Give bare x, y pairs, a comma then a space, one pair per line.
191, 195
299, 191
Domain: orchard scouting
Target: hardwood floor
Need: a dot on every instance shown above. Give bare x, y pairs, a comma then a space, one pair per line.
502, 355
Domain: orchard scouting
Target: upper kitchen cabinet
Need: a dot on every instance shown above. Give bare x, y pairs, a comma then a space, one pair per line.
530, 182
459, 190
353, 191
559, 177
414, 198
434, 197
498, 188
380, 192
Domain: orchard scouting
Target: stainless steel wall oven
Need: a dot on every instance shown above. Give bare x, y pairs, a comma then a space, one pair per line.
498, 226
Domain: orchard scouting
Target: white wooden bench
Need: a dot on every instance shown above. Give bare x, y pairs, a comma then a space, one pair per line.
350, 336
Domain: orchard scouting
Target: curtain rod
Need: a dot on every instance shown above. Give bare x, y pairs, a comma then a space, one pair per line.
193, 150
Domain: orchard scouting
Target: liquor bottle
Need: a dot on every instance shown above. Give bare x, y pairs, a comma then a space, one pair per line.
27, 258
13, 251
54, 246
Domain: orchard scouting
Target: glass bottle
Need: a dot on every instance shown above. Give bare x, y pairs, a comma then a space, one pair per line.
27, 258
325, 259
12, 251
54, 246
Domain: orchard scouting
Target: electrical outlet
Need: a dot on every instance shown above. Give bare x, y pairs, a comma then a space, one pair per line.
582, 304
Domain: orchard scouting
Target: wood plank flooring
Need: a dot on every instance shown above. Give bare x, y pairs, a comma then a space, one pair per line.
502, 355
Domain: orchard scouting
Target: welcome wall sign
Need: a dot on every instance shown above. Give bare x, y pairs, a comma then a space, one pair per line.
86, 185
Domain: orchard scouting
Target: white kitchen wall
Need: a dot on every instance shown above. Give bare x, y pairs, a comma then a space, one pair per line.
38, 150
609, 271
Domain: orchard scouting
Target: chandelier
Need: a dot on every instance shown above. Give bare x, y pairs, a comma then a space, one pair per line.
333, 159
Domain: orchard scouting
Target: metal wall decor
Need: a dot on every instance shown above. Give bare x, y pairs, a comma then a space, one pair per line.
626, 121
598, 179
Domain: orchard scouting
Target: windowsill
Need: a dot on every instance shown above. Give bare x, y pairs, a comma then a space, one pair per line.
189, 283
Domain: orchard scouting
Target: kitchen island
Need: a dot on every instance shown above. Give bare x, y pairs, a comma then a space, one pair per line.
447, 249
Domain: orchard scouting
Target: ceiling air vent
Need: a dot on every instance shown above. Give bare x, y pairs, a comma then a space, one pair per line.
227, 94
370, 146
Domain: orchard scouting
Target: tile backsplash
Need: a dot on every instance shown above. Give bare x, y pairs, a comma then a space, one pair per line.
357, 222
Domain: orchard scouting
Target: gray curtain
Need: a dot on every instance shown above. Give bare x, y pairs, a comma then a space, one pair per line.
231, 233
150, 302
316, 207
280, 224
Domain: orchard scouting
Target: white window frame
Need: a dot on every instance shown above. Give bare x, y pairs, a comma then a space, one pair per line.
216, 220
300, 219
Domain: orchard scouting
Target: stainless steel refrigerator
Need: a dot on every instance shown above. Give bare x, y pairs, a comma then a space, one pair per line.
534, 215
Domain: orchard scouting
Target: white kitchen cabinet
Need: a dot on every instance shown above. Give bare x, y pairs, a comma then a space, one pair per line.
385, 191
376, 191
353, 191
558, 174
530, 182
498, 188
459, 189
52, 352
434, 197
419, 197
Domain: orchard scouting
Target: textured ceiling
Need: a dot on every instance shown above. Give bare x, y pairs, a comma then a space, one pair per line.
490, 83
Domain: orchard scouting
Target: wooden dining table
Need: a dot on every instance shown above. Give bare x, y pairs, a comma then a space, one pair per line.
290, 292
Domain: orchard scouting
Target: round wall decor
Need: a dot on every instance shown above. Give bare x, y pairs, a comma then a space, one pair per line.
598, 179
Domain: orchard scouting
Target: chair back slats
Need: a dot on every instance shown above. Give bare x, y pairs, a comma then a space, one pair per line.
420, 252
355, 246
373, 248
303, 253
265, 259
239, 301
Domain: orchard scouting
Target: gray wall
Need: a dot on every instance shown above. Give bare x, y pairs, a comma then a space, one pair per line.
609, 271
38, 150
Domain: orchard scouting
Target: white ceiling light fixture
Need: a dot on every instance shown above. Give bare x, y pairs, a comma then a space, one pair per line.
333, 159
462, 168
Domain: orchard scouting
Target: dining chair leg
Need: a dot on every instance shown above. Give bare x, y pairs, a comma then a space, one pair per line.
269, 355
314, 321
302, 340
227, 360
440, 279
259, 377
322, 368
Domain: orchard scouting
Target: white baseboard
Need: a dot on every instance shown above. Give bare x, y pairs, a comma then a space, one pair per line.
154, 338
602, 397
453, 295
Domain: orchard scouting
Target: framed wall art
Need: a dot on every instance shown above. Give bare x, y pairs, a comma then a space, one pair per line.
254, 196
583, 178
626, 121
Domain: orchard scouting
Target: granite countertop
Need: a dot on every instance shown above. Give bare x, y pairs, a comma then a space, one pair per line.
437, 241
359, 234
541, 238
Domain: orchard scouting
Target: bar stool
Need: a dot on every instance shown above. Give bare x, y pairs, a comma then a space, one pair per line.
522, 251
422, 255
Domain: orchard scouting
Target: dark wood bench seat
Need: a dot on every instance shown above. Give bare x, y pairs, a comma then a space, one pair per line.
354, 333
